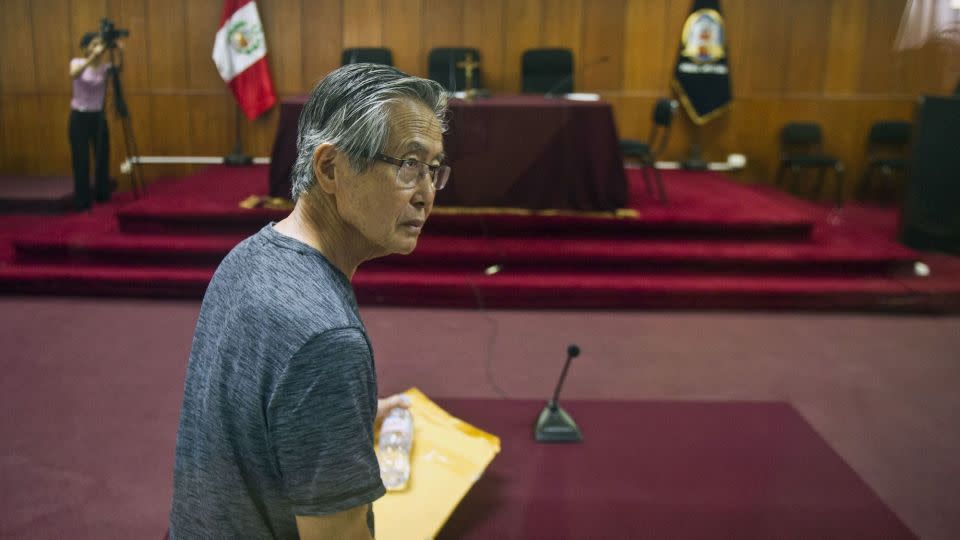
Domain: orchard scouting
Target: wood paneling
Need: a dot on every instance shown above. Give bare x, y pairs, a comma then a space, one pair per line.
403, 27
603, 37
523, 23
166, 44
322, 39
18, 62
362, 23
284, 44
484, 15
829, 61
52, 53
202, 18
646, 39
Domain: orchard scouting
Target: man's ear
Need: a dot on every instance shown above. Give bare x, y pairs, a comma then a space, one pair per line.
325, 167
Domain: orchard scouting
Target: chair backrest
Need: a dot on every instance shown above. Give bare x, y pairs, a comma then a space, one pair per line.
800, 137
888, 132
373, 55
801, 133
664, 109
442, 67
547, 71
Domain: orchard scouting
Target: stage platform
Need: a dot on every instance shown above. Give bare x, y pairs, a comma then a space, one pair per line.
36, 194
717, 245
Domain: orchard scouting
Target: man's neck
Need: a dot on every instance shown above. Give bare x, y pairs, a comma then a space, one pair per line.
315, 222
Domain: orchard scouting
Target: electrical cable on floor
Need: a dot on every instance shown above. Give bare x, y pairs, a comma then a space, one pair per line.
495, 326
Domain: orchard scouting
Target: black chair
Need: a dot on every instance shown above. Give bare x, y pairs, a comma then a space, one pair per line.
373, 55
547, 71
801, 148
888, 147
442, 67
646, 152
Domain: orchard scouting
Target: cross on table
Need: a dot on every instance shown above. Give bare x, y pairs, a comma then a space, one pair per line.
468, 65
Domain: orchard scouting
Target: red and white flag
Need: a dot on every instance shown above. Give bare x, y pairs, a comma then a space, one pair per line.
240, 52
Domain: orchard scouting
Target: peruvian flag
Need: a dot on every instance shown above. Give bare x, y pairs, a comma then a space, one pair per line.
240, 52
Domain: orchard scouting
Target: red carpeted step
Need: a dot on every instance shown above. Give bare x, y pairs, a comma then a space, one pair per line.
591, 291
125, 250
541, 254
105, 281
518, 289
213, 219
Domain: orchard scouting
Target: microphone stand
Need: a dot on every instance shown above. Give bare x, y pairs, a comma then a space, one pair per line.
554, 424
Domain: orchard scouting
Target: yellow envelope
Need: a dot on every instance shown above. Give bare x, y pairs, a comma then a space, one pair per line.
448, 457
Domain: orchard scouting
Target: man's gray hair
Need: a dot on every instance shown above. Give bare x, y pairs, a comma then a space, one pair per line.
349, 109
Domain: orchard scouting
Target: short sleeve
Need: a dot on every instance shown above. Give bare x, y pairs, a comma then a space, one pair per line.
321, 417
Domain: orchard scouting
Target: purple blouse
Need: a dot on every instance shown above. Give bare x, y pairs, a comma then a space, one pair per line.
89, 87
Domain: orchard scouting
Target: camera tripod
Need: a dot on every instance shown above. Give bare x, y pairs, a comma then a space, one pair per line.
123, 112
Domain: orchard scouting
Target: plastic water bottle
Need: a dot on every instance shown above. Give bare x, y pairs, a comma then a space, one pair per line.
396, 439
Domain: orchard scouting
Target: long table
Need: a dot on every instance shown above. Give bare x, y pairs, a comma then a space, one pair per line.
665, 470
509, 151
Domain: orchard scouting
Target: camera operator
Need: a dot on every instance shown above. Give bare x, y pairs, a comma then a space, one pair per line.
88, 123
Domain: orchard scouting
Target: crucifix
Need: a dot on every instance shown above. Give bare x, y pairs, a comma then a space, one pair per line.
468, 65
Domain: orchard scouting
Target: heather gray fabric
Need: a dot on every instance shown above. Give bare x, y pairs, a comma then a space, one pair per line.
280, 398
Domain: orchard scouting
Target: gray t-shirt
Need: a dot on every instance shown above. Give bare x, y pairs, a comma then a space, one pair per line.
280, 398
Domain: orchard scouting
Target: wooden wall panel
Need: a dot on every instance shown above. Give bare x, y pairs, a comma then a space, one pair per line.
561, 21
845, 51
765, 41
284, 32
53, 52
18, 63
829, 61
523, 24
645, 67
322, 38
202, 19
362, 23
132, 15
441, 25
166, 44
481, 17
603, 36
807, 51
402, 32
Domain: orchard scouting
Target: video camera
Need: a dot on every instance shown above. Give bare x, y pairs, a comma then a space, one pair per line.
109, 34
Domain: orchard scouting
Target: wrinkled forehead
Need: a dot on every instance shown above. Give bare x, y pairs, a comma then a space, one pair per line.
413, 128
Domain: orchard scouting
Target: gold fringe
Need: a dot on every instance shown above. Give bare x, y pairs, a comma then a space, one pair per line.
692, 111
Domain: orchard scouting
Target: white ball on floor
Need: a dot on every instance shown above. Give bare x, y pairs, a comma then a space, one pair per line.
921, 269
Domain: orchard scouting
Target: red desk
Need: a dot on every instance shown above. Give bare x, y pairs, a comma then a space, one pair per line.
513, 151
665, 470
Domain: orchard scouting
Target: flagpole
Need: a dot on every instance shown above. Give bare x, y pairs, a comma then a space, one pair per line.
695, 161
237, 158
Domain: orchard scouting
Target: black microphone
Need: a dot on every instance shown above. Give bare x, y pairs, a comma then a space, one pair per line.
568, 78
554, 424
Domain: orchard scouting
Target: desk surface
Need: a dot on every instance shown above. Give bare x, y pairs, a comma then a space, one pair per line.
665, 470
509, 151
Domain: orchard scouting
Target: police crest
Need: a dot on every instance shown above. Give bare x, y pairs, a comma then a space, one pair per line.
703, 36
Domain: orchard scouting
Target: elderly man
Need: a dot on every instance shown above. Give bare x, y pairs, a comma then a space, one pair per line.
276, 430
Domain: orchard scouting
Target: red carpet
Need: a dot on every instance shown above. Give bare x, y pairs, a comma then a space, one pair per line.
675, 470
718, 244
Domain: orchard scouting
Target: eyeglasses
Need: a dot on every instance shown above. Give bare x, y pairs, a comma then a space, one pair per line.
410, 171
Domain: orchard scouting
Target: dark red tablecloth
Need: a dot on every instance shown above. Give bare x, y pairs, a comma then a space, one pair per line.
509, 151
665, 470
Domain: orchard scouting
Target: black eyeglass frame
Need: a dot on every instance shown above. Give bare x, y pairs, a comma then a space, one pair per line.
400, 163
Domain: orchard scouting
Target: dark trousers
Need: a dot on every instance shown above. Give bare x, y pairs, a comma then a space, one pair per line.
89, 129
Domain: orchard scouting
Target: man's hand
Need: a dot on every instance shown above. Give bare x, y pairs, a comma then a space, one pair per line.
385, 405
